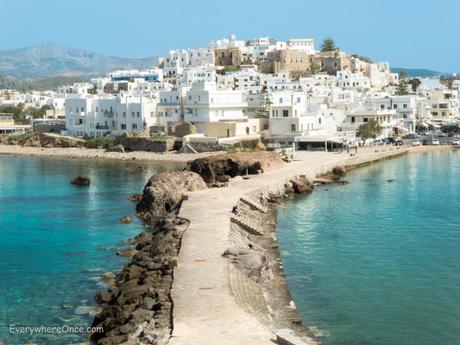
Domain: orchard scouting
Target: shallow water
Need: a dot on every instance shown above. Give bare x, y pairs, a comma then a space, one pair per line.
56, 239
376, 261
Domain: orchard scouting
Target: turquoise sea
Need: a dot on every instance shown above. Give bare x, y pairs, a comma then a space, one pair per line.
56, 239
377, 261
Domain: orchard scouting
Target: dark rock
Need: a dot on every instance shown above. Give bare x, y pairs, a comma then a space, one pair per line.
102, 297
126, 252
81, 181
339, 171
126, 219
220, 168
135, 197
301, 185
114, 340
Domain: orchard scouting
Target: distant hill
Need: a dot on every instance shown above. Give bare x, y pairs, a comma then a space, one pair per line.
49, 83
414, 72
46, 60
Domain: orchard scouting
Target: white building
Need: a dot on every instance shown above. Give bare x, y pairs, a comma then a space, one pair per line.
363, 113
96, 116
204, 102
303, 45
405, 108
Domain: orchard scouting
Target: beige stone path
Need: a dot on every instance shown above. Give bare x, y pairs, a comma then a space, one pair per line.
205, 311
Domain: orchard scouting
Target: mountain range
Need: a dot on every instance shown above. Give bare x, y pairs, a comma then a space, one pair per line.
46, 60
418, 72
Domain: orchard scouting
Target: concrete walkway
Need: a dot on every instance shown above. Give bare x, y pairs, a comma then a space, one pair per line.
205, 310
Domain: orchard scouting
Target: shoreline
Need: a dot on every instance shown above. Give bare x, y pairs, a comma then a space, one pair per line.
207, 311
77, 152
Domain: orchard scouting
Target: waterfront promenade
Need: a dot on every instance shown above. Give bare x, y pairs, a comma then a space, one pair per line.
205, 310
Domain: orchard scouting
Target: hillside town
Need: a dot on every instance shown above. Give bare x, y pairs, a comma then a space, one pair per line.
285, 92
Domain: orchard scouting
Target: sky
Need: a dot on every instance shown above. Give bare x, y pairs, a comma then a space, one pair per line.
407, 33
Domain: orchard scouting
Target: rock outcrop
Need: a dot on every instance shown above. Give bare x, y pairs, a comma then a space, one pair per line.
219, 169
137, 310
52, 140
163, 193
300, 185
81, 181
335, 174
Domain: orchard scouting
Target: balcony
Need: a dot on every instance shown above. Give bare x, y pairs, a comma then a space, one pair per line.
108, 113
102, 127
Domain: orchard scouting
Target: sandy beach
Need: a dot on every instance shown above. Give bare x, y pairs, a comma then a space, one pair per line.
76, 152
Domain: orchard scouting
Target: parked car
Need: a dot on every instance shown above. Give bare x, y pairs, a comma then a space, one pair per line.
410, 136
425, 142
157, 133
455, 142
435, 142
390, 140
441, 135
398, 142
416, 143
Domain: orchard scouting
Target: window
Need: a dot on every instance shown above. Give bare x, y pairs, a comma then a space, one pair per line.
395, 106
134, 126
405, 106
365, 119
124, 114
132, 113
353, 119
123, 126
382, 106
285, 113
138, 115
292, 127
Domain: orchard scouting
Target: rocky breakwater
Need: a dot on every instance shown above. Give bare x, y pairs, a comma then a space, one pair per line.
137, 310
256, 275
216, 171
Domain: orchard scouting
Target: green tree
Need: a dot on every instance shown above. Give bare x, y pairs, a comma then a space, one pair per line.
362, 58
402, 88
415, 83
314, 68
402, 75
370, 129
328, 45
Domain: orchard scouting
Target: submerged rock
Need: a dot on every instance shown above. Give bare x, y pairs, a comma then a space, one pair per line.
135, 197
126, 219
126, 252
81, 181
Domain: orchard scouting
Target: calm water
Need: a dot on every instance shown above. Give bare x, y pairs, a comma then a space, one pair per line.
56, 239
377, 262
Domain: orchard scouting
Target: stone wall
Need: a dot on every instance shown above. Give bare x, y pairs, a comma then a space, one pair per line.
132, 143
